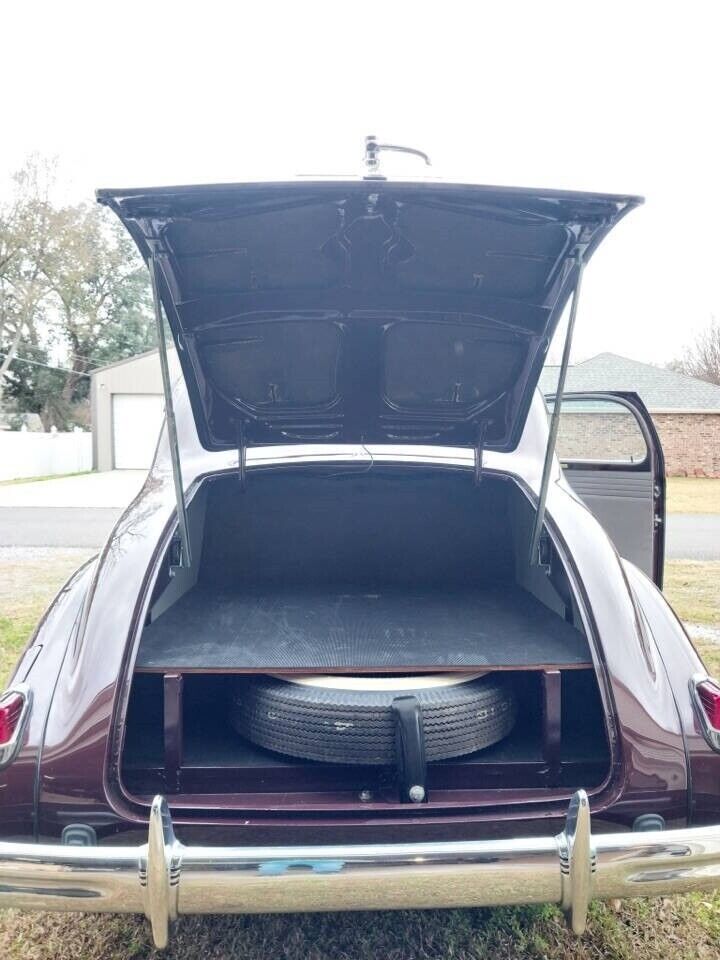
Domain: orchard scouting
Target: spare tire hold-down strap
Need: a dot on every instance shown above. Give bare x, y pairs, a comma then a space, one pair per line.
410, 750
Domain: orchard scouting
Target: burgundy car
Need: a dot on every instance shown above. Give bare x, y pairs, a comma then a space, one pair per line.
365, 632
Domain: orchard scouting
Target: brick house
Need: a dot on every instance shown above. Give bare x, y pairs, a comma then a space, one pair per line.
686, 411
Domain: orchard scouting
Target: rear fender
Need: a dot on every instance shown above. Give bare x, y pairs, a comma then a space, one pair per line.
681, 663
39, 667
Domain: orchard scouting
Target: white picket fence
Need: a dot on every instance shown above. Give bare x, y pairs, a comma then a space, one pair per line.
26, 454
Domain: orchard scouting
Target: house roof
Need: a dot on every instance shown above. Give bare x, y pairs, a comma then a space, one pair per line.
660, 389
120, 363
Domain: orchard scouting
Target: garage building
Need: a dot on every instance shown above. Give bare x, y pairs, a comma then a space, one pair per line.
127, 412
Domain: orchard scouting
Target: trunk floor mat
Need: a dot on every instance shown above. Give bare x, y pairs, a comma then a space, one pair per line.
350, 628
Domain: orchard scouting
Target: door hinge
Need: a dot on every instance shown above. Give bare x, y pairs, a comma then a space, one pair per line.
175, 553
544, 556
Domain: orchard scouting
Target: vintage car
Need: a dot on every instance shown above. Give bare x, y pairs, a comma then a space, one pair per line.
365, 633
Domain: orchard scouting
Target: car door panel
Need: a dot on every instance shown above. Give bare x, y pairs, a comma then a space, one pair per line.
623, 503
612, 458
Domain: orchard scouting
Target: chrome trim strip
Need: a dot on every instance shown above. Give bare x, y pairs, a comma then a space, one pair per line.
165, 879
9, 750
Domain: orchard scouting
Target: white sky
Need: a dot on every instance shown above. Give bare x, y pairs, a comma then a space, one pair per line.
604, 96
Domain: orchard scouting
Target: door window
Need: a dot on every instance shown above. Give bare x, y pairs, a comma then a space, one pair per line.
599, 431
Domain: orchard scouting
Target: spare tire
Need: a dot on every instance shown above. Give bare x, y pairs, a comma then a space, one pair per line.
350, 720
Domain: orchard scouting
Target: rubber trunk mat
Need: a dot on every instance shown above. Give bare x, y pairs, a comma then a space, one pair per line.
309, 629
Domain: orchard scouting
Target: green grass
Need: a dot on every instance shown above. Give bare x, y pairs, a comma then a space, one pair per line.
710, 656
681, 928
693, 589
26, 588
693, 495
13, 637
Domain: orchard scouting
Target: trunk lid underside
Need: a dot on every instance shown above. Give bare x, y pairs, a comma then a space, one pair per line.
363, 311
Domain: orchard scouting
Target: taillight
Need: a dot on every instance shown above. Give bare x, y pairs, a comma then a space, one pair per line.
706, 693
11, 708
14, 712
709, 697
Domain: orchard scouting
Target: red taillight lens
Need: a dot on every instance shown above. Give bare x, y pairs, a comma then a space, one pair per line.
10, 711
709, 696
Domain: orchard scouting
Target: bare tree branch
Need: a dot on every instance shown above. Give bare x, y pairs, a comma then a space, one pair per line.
702, 358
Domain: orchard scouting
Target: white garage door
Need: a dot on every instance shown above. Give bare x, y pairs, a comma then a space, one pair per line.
137, 418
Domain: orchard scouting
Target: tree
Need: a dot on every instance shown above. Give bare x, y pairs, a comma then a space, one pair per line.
74, 293
33, 385
26, 225
101, 289
702, 358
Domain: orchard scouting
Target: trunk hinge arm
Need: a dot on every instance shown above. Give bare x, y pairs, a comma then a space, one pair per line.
181, 558
539, 556
480, 450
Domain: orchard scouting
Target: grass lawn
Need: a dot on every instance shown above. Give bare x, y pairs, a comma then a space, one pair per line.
693, 495
27, 584
682, 928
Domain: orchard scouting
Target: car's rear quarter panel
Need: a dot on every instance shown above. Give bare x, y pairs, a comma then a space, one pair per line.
681, 663
40, 667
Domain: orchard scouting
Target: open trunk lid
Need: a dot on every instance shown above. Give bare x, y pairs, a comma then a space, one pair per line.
369, 310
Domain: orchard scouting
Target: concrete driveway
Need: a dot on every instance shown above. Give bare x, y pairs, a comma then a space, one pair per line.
693, 536
66, 511
113, 488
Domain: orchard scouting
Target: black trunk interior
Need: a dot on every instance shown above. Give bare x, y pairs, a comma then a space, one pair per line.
368, 572
215, 759
372, 628
377, 572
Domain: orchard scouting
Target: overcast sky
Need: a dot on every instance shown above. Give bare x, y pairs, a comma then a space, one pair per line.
603, 96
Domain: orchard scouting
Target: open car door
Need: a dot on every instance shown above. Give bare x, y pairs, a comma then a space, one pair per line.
611, 454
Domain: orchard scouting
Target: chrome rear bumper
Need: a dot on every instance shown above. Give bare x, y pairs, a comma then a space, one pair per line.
164, 879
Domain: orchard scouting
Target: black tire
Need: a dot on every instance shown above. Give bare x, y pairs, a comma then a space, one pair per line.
356, 726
